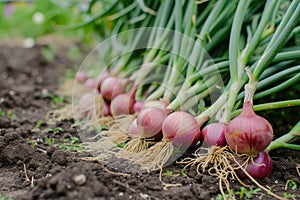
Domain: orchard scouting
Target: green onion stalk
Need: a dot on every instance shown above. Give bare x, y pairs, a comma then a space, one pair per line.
239, 60
209, 34
286, 140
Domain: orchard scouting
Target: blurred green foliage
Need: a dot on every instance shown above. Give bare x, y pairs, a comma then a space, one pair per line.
32, 19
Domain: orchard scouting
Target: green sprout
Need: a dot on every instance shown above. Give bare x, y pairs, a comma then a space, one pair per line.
50, 141
38, 125
48, 54
242, 194
289, 196
183, 172
121, 145
291, 184
71, 144
56, 99
3, 198
168, 173
32, 143
11, 115
248, 194
54, 130
2, 113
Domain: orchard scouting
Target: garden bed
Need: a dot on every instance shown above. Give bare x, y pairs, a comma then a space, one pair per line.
39, 160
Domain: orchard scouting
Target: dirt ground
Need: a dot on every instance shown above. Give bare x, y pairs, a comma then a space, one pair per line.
34, 166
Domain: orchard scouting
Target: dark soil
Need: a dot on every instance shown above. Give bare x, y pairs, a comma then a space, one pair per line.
34, 166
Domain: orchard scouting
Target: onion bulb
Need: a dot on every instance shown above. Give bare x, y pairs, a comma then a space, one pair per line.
137, 107
149, 121
106, 110
85, 103
181, 129
89, 104
214, 135
112, 87
91, 83
104, 75
248, 133
133, 129
123, 104
260, 167
81, 77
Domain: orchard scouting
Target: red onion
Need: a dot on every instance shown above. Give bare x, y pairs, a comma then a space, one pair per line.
133, 129
214, 135
160, 104
137, 107
81, 76
260, 168
181, 129
104, 75
248, 133
91, 83
87, 103
123, 103
106, 110
149, 121
112, 87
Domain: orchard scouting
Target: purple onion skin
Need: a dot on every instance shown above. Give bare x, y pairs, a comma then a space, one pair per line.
181, 129
150, 122
214, 135
158, 104
81, 77
133, 129
106, 110
86, 103
260, 168
137, 107
104, 75
248, 133
122, 104
91, 83
112, 87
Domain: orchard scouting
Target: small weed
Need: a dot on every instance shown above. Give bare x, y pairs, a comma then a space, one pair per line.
291, 184
54, 130
71, 147
71, 144
70, 74
32, 182
242, 194
248, 194
289, 196
183, 172
32, 143
101, 128
3, 198
2, 113
48, 54
228, 196
50, 141
38, 125
168, 173
121, 145
74, 140
11, 115
40, 140
55, 99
